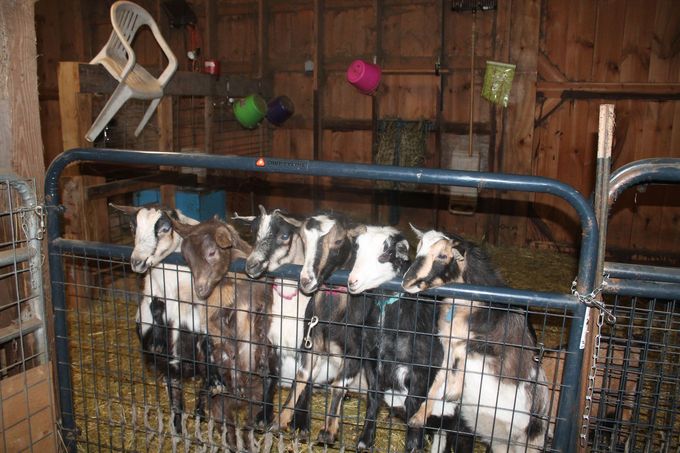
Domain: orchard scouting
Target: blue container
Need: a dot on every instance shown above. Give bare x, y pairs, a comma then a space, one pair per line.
146, 197
201, 204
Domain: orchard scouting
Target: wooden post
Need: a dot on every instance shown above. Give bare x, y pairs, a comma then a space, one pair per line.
21, 151
604, 154
83, 219
210, 53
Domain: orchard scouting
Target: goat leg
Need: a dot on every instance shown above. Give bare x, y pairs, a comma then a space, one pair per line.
271, 378
328, 435
367, 437
176, 399
299, 387
302, 417
414, 434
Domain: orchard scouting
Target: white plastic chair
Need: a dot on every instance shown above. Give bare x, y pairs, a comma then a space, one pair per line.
119, 59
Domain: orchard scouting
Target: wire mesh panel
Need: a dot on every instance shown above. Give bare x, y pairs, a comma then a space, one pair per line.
26, 409
637, 392
138, 369
120, 390
636, 371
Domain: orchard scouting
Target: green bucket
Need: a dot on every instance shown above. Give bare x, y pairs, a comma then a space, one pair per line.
250, 110
498, 82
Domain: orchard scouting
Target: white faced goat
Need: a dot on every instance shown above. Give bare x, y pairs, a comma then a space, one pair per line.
168, 322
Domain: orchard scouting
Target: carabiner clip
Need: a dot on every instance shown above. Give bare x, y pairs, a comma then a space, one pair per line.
308, 338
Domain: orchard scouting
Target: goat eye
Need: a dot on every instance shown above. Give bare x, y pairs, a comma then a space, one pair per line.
441, 256
212, 253
338, 242
284, 236
164, 229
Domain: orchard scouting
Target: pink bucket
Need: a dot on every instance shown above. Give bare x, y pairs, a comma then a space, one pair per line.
364, 76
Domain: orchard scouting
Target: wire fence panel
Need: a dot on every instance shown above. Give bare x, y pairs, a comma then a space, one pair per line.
117, 392
26, 401
636, 396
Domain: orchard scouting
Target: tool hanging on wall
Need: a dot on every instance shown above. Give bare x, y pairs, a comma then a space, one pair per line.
474, 6
463, 200
182, 16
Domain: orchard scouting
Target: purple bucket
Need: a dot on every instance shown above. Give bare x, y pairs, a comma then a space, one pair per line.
364, 76
279, 110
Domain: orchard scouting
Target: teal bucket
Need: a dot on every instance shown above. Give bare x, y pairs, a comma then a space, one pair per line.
250, 110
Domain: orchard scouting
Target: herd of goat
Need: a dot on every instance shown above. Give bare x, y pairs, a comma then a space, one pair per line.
453, 370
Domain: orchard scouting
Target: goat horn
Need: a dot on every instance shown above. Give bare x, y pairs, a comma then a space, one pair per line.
263, 211
248, 218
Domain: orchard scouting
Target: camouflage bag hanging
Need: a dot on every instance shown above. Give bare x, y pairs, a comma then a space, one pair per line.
401, 143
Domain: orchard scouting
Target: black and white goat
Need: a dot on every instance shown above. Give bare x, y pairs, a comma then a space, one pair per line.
406, 340
336, 342
489, 369
278, 242
168, 322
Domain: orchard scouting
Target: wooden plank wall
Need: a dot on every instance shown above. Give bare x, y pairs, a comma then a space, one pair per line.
617, 48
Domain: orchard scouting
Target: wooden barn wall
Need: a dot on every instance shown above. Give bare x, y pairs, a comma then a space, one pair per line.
614, 45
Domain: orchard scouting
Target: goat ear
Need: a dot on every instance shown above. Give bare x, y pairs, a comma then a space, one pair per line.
223, 237
293, 221
182, 229
416, 231
457, 255
356, 231
401, 249
128, 210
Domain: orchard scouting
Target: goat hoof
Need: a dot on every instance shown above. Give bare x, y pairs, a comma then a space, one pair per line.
363, 446
326, 437
302, 435
262, 418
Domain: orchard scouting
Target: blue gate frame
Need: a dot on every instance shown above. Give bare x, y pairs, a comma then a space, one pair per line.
565, 435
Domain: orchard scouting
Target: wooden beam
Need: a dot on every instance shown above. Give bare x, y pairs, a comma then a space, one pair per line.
608, 90
547, 69
95, 79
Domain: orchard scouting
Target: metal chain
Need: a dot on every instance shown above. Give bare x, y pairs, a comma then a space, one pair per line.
591, 381
590, 300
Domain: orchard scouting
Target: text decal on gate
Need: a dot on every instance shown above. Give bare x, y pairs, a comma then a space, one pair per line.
302, 165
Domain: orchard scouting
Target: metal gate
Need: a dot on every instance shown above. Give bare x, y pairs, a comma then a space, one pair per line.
107, 401
637, 391
26, 402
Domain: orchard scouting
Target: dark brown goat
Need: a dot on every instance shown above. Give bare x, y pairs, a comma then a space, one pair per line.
235, 318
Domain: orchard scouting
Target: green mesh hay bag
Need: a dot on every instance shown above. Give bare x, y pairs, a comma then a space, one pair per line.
498, 82
401, 143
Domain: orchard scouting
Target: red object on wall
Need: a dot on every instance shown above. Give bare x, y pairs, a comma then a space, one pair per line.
211, 67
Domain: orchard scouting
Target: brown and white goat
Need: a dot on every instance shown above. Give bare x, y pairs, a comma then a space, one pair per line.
335, 341
235, 316
168, 321
489, 369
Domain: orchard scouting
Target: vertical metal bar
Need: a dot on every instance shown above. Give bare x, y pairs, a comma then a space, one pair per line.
63, 359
